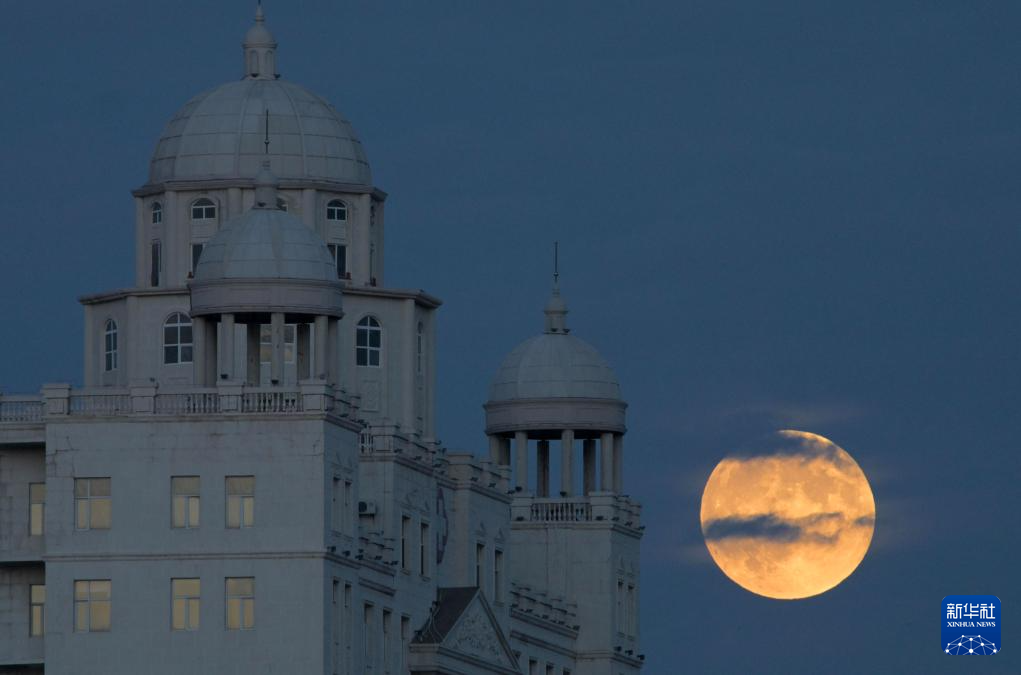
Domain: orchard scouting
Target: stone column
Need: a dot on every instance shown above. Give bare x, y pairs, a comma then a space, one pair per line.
542, 469
606, 457
253, 353
521, 452
276, 331
333, 352
567, 462
226, 344
618, 463
494, 450
589, 465
198, 356
321, 334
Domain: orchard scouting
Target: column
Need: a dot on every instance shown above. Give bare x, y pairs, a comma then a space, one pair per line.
606, 457
321, 335
618, 463
521, 452
589, 465
333, 352
253, 352
226, 344
276, 331
494, 449
303, 336
566, 462
198, 357
542, 469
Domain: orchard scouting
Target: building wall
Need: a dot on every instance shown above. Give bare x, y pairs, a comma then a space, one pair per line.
16, 647
19, 466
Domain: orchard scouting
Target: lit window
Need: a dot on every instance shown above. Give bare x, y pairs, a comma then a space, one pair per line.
110, 345
36, 509
336, 211
203, 209
185, 609
423, 549
339, 253
92, 503
155, 262
177, 342
419, 348
266, 343
368, 342
240, 501
92, 606
37, 606
240, 603
156, 213
184, 492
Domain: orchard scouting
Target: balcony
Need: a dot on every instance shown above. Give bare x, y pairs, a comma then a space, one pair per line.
603, 508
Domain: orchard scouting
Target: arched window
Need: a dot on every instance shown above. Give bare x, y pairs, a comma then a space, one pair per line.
157, 213
177, 338
203, 209
419, 348
368, 342
110, 345
336, 211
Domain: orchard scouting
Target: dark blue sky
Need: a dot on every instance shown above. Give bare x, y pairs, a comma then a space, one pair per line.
771, 215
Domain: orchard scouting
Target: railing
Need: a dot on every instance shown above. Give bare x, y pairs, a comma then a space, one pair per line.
103, 404
200, 402
271, 401
14, 409
558, 510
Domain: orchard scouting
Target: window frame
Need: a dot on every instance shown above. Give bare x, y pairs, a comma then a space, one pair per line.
245, 502
110, 345
89, 501
243, 600
204, 203
36, 628
155, 213
369, 326
339, 210
178, 321
90, 604
191, 504
191, 605
155, 263
33, 502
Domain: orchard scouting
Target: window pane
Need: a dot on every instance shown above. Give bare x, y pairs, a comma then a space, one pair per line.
81, 616
81, 590
186, 587
193, 613
170, 355
241, 485
81, 487
249, 613
100, 514
362, 338
177, 618
374, 338
37, 622
36, 520
82, 514
38, 594
193, 511
99, 590
185, 485
374, 358
247, 511
240, 586
99, 487
186, 354
170, 335
37, 492
186, 334
233, 512
99, 615
178, 518
233, 613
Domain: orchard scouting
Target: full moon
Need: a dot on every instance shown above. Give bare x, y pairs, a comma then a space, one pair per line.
790, 521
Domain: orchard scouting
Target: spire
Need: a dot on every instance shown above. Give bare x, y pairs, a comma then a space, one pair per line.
259, 49
556, 308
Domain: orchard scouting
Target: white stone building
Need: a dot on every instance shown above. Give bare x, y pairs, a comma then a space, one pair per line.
249, 481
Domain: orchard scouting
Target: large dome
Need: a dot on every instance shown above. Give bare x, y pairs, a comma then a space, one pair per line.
221, 134
554, 365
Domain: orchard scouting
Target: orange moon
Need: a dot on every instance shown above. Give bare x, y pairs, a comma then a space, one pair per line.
791, 521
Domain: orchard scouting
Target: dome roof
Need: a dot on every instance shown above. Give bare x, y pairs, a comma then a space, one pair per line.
554, 365
266, 243
221, 134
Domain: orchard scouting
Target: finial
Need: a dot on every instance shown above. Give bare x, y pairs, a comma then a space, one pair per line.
556, 308
259, 49
259, 18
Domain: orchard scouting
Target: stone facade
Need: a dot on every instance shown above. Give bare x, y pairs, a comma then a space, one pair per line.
249, 482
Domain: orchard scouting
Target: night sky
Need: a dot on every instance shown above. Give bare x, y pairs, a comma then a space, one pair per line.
771, 215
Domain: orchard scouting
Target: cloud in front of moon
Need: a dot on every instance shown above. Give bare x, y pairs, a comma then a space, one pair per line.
791, 520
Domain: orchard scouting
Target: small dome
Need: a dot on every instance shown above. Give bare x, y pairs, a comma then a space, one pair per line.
554, 365
220, 134
266, 243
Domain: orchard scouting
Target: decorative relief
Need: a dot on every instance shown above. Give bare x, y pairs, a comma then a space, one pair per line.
476, 636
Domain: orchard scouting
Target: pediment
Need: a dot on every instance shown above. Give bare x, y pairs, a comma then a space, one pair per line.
464, 628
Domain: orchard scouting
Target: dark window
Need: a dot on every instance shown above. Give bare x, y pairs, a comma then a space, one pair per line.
155, 263
157, 213
203, 209
177, 342
336, 211
368, 342
196, 251
339, 253
110, 345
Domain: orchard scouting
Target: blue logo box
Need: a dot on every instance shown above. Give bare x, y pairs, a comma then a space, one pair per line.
971, 625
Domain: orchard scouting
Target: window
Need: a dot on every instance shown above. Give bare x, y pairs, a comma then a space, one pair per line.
92, 606
550, 669
36, 509
240, 501
423, 549
240, 603
92, 503
419, 348
480, 558
620, 607
203, 209
533, 667
405, 544
156, 213
367, 647
632, 610
155, 262
405, 636
337, 517
110, 345
196, 253
185, 608
387, 641
498, 575
339, 253
185, 501
266, 343
37, 606
177, 341
336, 211
368, 342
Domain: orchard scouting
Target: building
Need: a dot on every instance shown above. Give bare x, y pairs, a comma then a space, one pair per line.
249, 481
